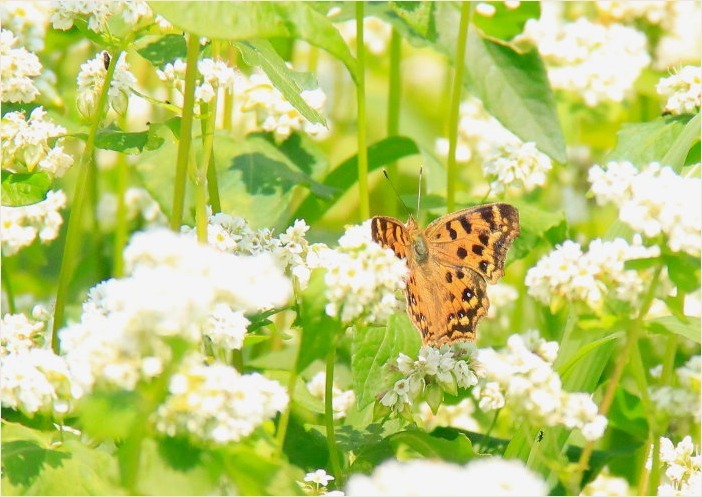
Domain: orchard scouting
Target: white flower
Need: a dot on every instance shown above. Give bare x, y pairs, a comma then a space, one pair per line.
458, 416
274, 113
97, 12
27, 21
19, 334
138, 203
653, 12
225, 327
26, 146
17, 70
596, 62
319, 477
522, 167
681, 41
683, 467
604, 484
20, 226
34, 380
218, 404
683, 90
361, 277
568, 273
342, 400
91, 79
488, 476
652, 201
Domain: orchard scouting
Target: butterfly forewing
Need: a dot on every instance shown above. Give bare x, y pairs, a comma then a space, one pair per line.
392, 234
476, 238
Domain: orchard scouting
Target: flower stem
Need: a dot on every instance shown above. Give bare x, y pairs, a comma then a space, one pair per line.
363, 198
393, 124
633, 334
120, 239
72, 246
207, 112
186, 123
329, 412
451, 173
7, 283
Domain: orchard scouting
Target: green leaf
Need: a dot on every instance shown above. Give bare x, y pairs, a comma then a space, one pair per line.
536, 225
24, 189
418, 16
643, 143
254, 473
375, 347
683, 270
301, 396
456, 449
317, 327
252, 20
165, 49
676, 156
640, 264
627, 414
108, 415
290, 83
129, 143
514, 88
343, 177
689, 329
506, 23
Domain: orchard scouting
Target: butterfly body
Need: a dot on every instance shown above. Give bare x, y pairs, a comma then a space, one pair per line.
450, 263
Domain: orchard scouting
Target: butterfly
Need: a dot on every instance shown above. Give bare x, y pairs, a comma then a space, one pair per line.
450, 264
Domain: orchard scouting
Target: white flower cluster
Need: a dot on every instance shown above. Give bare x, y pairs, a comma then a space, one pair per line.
425, 477
683, 400
27, 21
19, 226
290, 249
681, 40
654, 200
213, 75
91, 79
376, 34
501, 296
274, 113
98, 12
32, 379
342, 400
173, 287
361, 277
216, 403
517, 166
316, 482
17, 70
506, 160
605, 484
138, 203
25, 144
683, 468
683, 90
656, 12
435, 370
522, 378
568, 273
598, 63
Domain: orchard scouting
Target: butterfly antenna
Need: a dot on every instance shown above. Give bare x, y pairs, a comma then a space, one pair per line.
419, 193
385, 173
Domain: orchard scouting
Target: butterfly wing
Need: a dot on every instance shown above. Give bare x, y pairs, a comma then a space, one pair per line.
456, 301
476, 238
392, 234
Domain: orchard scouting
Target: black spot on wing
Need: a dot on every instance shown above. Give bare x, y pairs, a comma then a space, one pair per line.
465, 224
477, 249
461, 252
452, 232
484, 239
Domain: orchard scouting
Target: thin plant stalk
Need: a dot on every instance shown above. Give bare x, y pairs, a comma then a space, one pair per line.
120, 238
329, 412
7, 283
72, 246
208, 113
363, 197
228, 108
393, 124
186, 124
451, 170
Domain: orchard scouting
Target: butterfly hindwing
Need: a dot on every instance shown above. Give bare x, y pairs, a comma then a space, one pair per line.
477, 238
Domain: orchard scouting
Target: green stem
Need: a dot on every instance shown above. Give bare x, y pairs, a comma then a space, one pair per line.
633, 334
207, 113
490, 428
363, 198
229, 97
208, 128
451, 170
329, 412
7, 283
120, 239
394, 93
185, 132
72, 246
